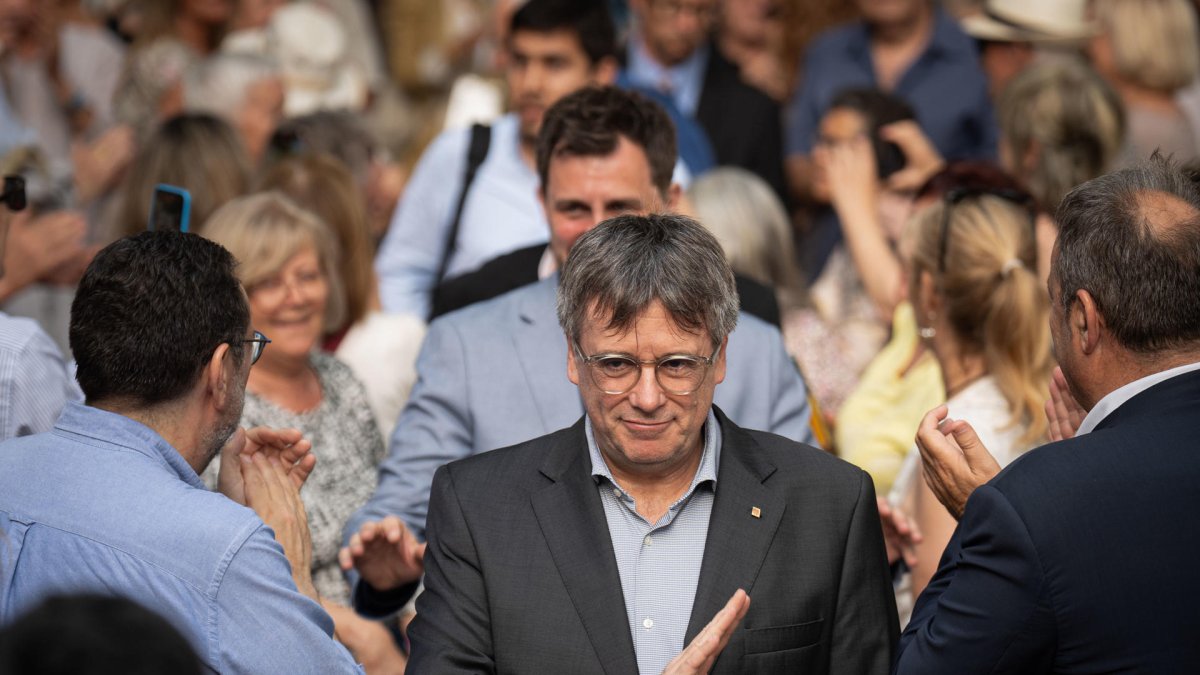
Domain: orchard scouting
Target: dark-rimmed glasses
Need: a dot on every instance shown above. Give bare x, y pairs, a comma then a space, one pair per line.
953, 197
259, 342
679, 374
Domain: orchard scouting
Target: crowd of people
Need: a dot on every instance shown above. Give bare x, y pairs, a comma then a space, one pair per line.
468, 307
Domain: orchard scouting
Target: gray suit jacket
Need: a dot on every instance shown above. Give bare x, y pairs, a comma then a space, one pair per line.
521, 577
495, 374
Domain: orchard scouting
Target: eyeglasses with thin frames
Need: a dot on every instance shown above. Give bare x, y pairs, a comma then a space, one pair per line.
954, 197
259, 342
678, 374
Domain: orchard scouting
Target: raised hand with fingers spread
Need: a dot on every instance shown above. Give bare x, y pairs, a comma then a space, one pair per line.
385, 553
954, 460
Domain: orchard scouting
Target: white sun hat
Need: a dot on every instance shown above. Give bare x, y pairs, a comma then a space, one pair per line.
1043, 21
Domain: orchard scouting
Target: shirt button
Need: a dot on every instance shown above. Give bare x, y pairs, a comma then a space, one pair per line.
648, 624
648, 541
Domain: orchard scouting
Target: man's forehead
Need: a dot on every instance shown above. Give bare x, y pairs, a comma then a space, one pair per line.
626, 164
561, 42
603, 323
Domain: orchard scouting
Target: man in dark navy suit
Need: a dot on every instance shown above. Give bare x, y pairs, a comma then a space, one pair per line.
1081, 556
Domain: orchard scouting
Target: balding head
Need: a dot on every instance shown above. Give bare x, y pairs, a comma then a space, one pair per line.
1131, 239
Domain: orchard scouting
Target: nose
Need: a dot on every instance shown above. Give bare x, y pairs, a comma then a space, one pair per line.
647, 395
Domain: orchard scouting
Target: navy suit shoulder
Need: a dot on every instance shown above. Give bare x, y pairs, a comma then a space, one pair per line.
1078, 557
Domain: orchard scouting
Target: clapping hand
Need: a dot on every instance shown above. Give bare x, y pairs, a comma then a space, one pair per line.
288, 445
698, 657
953, 459
385, 553
900, 534
1063, 411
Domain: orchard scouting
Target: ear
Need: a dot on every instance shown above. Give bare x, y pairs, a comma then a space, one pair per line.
1087, 324
929, 303
604, 73
540, 193
572, 367
217, 376
719, 362
674, 197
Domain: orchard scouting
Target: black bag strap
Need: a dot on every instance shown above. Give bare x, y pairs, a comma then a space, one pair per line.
481, 138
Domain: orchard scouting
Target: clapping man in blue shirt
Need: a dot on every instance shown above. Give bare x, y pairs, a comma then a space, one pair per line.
109, 501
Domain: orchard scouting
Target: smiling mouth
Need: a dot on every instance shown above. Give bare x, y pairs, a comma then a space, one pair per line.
644, 426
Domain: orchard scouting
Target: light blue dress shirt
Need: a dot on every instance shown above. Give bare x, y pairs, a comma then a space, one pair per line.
103, 504
659, 563
683, 82
501, 215
35, 380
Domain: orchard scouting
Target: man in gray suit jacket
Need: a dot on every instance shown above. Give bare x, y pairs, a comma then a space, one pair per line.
493, 374
607, 546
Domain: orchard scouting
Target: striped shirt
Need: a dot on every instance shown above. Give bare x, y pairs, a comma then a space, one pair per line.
659, 563
35, 381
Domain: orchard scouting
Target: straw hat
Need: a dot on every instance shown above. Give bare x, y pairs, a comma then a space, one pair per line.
1043, 21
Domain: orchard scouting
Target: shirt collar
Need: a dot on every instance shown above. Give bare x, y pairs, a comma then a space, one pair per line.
709, 459
942, 40
1117, 397
685, 78
110, 428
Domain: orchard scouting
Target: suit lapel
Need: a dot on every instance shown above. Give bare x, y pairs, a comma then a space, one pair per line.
572, 521
542, 350
737, 540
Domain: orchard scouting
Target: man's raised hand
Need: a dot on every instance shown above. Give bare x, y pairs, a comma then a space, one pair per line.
698, 657
385, 553
953, 459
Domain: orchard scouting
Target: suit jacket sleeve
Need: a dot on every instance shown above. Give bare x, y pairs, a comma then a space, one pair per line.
452, 631
433, 429
986, 609
865, 629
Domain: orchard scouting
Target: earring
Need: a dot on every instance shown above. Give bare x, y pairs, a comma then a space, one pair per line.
927, 332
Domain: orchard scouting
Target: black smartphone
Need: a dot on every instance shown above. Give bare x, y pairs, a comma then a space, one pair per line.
170, 209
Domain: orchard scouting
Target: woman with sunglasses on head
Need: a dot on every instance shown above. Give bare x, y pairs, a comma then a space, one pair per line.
288, 265
982, 310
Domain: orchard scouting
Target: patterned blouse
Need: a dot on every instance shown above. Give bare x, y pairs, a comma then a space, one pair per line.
348, 447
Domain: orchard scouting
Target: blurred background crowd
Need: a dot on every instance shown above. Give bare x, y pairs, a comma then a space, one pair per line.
890, 169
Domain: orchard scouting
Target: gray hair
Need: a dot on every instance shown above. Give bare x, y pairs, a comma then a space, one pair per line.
747, 217
626, 263
1143, 274
218, 84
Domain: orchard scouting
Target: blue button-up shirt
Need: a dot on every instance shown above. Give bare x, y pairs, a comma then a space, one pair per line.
945, 86
659, 563
103, 504
35, 380
501, 215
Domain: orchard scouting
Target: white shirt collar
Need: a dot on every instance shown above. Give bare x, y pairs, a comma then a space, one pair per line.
1117, 397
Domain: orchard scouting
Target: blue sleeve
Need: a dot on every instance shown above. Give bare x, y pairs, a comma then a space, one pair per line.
987, 608
791, 414
262, 624
411, 251
434, 429
38, 388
